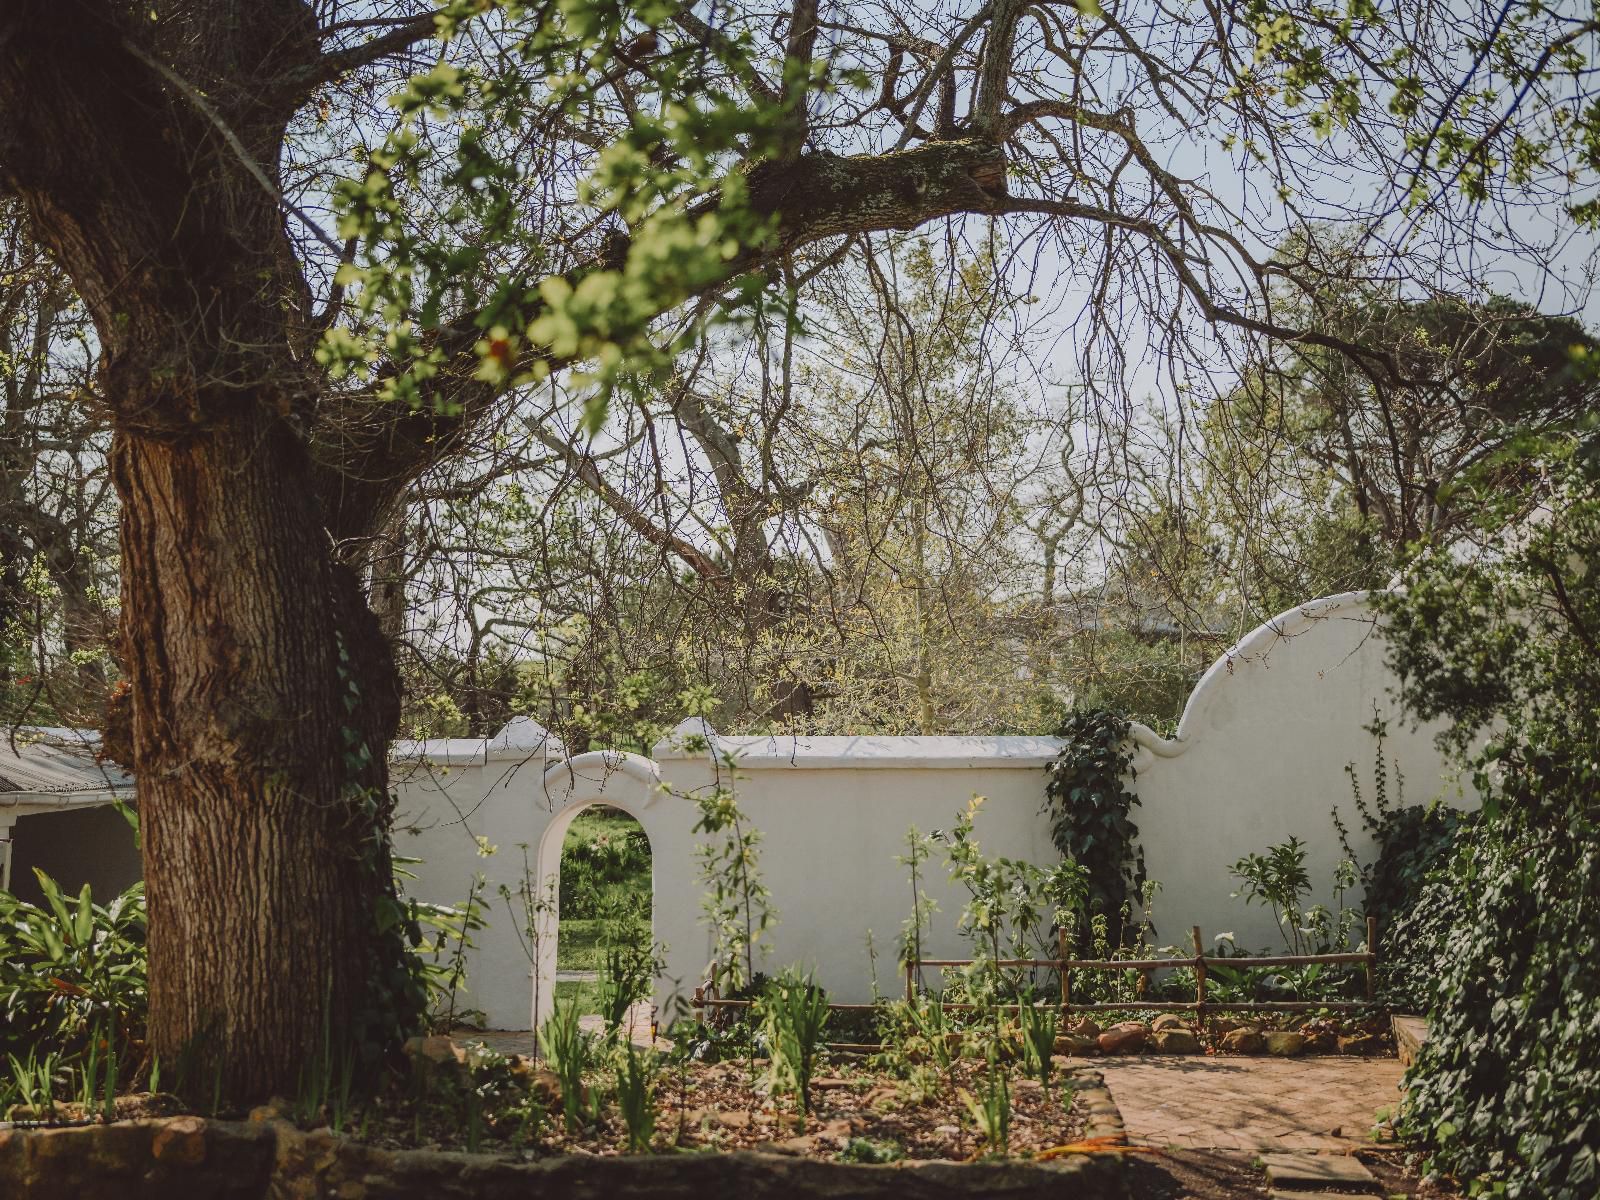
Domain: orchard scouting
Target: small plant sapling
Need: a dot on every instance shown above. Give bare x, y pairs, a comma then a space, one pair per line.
1038, 1041
932, 1022
866, 1150
919, 848
566, 1050
992, 1111
737, 905
626, 973
636, 1095
793, 1012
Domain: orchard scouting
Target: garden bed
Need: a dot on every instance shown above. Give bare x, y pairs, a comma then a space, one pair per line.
717, 1136
868, 1117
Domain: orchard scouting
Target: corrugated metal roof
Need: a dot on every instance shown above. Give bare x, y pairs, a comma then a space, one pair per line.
55, 762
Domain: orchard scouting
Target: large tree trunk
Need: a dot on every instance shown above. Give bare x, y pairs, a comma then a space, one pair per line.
262, 703
260, 697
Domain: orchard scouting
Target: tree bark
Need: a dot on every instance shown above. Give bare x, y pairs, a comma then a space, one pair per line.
264, 700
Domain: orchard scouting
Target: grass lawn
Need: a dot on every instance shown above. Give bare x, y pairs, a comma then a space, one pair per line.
587, 995
578, 944
623, 877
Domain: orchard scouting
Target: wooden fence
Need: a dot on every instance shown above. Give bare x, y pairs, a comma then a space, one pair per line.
706, 995
1065, 965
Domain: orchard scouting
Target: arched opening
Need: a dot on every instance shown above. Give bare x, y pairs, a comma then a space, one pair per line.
602, 895
614, 783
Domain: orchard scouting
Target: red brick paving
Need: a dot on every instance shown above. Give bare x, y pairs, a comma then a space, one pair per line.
1252, 1104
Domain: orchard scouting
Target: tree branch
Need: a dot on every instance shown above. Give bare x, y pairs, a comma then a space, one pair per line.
297, 85
797, 76
246, 159
379, 448
583, 466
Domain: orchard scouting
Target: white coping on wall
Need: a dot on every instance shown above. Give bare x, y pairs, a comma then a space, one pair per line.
589, 774
808, 753
520, 739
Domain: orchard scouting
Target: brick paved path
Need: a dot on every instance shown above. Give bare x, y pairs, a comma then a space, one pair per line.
1252, 1104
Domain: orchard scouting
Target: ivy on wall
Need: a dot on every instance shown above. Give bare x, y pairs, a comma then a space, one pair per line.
1088, 800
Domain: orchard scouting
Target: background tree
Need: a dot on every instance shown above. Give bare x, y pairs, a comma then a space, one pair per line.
57, 530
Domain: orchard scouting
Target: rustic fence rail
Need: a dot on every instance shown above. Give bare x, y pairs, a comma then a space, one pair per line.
1065, 964
706, 995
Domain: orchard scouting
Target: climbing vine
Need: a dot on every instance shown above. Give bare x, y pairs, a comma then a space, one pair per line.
1088, 800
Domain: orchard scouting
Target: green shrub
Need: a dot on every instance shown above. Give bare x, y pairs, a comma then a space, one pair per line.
1507, 1086
1013, 910
1416, 844
1504, 647
72, 974
793, 1012
1409, 894
1279, 880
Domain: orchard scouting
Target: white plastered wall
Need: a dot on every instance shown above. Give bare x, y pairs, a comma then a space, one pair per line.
1259, 755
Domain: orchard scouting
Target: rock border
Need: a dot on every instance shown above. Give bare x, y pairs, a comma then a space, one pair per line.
202, 1159
1170, 1034
1410, 1033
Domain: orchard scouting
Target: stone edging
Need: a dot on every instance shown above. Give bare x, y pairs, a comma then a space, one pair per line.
1104, 1117
257, 1160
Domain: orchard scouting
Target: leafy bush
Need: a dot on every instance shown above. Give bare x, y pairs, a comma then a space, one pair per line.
1413, 845
1013, 909
1230, 979
1279, 880
1505, 647
74, 990
1507, 1087
1416, 844
72, 974
438, 939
